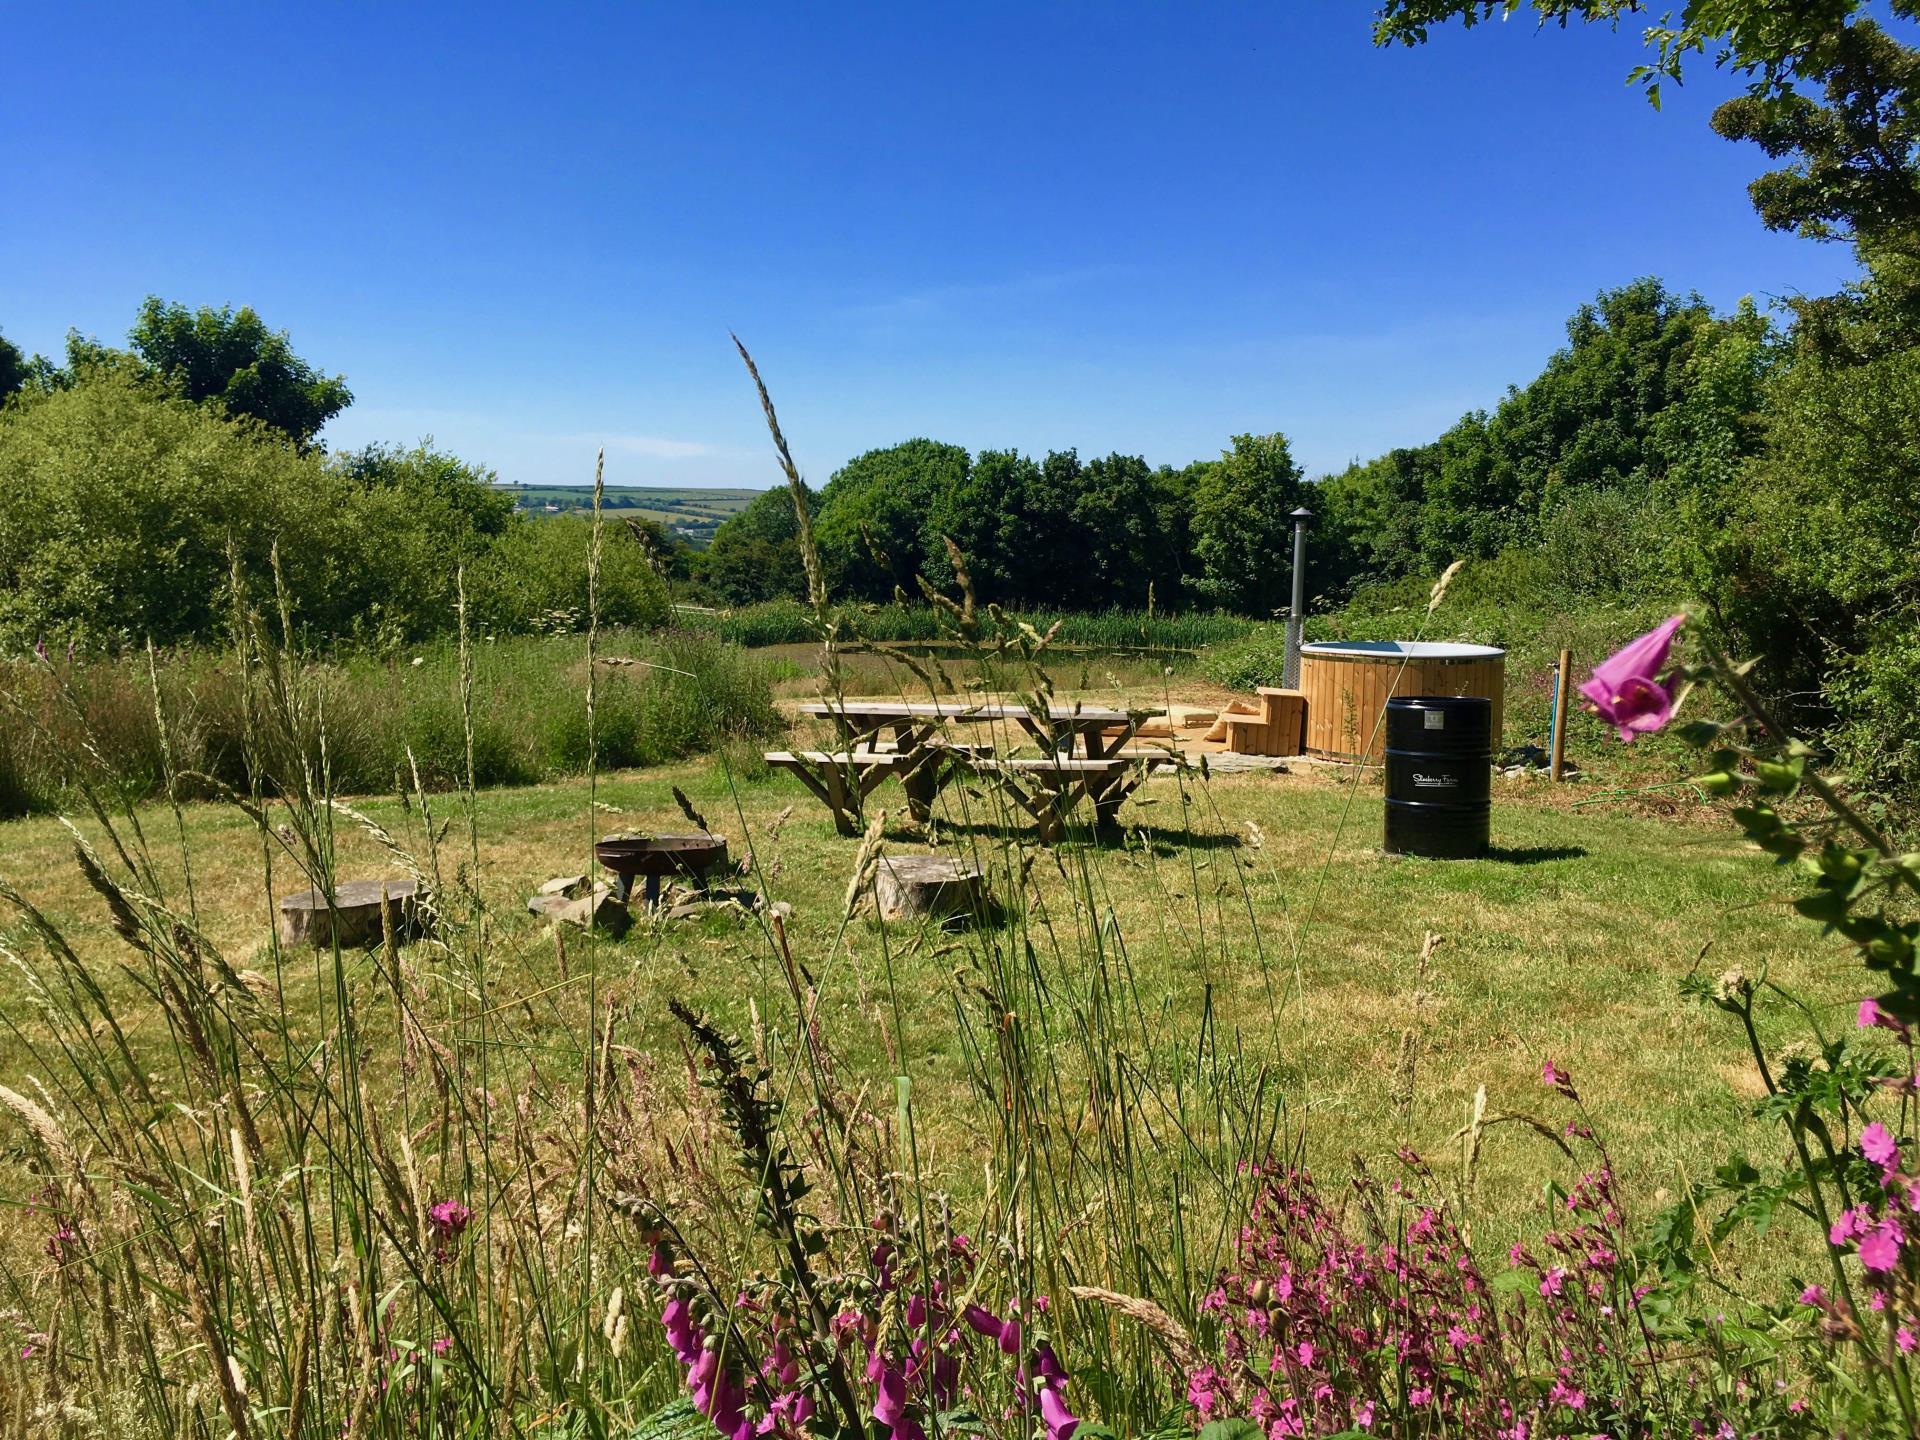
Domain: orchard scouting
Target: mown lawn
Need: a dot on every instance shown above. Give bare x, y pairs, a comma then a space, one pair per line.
1247, 919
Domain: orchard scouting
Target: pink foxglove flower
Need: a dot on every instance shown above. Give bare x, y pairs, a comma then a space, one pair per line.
1625, 688
1060, 1421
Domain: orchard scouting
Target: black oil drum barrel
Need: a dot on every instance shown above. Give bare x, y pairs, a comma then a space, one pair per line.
1439, 776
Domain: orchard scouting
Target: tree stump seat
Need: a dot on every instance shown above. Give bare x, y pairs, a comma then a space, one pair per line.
937, 886
354, 918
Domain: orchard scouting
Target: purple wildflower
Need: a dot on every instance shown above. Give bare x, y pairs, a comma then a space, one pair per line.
1625, 688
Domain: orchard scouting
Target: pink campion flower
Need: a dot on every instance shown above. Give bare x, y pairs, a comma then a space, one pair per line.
442, 1345
448, 1218
1871, 1016
1625, 688
1906, 1339
1570, 1396
1879, 1146
1559, 1080
1814, 1295
1880, 1248
1553, 1281
1203, 1391
1851, 1223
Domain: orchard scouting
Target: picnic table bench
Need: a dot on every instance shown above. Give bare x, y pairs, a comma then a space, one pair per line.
1050, 787
1081, 756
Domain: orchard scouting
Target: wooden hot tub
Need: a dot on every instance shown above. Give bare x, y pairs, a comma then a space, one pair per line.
1347, 684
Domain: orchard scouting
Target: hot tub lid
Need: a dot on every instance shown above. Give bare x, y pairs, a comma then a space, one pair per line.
1401, 650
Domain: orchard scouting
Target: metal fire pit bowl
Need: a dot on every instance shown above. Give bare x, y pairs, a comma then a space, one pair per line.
655, 856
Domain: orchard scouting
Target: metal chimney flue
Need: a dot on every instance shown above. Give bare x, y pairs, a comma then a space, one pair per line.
1296, 617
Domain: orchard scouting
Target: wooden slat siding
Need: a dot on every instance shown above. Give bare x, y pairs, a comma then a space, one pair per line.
1285, 714
1346, 695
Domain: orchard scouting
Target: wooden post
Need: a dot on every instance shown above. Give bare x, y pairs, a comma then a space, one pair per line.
1559, 764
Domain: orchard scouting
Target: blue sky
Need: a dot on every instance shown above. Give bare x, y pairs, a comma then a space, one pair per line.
527, 230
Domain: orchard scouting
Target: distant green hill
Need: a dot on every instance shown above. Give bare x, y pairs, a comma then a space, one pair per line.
690, 512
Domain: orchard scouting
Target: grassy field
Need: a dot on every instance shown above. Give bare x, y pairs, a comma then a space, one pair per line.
1238, 973
692, 512
1257, 908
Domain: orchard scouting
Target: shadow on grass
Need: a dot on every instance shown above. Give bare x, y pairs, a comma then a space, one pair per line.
1534, 854
1162, 840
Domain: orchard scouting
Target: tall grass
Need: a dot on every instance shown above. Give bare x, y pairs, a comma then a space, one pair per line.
663, 696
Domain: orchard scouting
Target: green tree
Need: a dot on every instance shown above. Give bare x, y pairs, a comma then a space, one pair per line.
228, 357
1012, 518
755, 555
14, 369
1132, 540
1591, 420
469, 494
410, 518
1367, 521
873, 513
1242, 524
1817, 571
231, 356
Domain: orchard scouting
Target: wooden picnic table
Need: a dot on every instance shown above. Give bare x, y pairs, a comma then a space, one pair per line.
1080, 747
1073, 728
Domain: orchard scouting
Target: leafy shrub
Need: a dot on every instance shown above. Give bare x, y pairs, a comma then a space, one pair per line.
534, 578
122, 502
435, 731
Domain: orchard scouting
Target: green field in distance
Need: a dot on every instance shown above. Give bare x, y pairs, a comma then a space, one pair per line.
691, 512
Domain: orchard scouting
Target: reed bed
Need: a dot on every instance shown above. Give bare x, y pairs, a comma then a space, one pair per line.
788, 622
